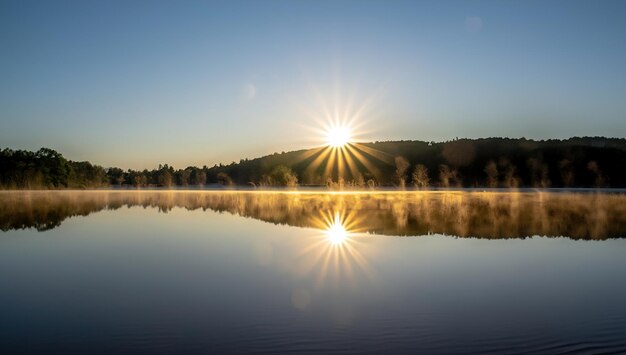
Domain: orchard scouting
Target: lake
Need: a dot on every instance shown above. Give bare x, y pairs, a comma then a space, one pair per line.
286, 271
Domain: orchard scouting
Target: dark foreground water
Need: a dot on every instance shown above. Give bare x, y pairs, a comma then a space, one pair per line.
204, 271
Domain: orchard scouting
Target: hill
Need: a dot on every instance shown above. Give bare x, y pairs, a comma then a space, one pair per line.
487, 162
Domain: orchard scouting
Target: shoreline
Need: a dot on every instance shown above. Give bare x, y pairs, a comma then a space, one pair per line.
321, 190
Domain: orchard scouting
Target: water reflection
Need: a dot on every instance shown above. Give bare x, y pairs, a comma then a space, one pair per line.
336, 232
462, 214
143, 281
336, 254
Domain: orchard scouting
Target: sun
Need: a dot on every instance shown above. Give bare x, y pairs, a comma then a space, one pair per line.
338, 136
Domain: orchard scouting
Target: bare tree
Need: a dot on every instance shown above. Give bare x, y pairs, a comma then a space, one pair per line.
359, 181
445, 174
593, 167
510, 178
492, 174
371, 184
401, 167
420, 176
538, 173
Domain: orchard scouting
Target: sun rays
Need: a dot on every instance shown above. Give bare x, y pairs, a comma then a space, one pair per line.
336, 232
335, 255
348, 163
342, 160
340, 118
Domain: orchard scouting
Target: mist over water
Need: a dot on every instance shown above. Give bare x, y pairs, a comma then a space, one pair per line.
246, 271
496, 214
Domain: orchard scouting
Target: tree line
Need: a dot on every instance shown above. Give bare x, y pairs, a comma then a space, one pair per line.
47, 169
488, 162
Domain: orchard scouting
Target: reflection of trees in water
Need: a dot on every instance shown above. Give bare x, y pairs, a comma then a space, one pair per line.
463, 214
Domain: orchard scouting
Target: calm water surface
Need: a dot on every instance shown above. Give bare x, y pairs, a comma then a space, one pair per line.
223, 272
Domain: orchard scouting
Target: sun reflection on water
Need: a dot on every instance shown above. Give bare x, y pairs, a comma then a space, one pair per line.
336, 232
337, 253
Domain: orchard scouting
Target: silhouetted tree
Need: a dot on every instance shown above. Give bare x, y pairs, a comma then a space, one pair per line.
116, 176
198, 177
184, 176
539, 173
165, 176
224, 179
567, 172
594, 168
54, 167
510, 178
492, 174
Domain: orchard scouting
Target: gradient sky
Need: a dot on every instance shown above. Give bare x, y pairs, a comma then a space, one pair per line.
134, 84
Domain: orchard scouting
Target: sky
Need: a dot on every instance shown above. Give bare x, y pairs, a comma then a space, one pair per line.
138, 83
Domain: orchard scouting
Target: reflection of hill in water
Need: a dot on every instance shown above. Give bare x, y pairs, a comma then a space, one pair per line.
463, 214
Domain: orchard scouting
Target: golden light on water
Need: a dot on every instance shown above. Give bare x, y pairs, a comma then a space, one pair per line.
337, 254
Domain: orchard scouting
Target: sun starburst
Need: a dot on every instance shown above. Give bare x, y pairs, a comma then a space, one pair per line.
338, 253
341, 161
338, 136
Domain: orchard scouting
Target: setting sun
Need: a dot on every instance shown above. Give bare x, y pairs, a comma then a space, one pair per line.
338, 136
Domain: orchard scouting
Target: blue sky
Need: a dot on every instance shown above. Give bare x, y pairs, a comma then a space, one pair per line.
135, 84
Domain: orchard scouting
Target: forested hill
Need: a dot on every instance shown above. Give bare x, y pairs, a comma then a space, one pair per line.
489, 162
